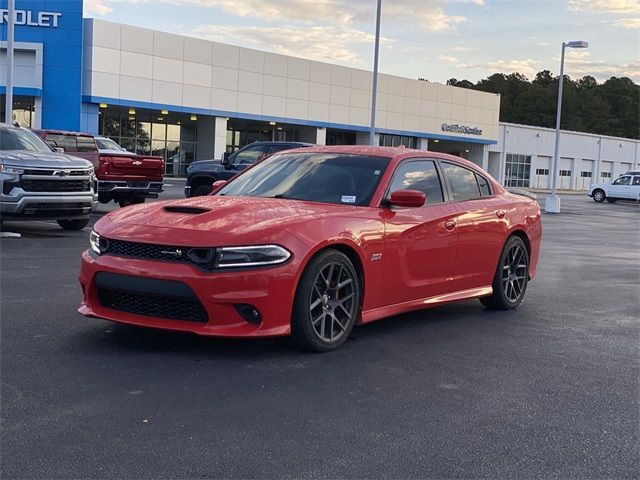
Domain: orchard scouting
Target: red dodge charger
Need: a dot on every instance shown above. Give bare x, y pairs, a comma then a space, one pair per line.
311, 242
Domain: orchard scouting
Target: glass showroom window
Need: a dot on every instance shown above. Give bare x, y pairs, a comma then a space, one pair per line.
170, 136
23, 110
397, 140
517, 170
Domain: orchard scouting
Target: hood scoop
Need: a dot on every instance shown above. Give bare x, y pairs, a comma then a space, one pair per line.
186, 209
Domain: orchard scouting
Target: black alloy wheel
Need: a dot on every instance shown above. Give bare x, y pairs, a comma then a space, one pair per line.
327, 302
599, 196
511, 277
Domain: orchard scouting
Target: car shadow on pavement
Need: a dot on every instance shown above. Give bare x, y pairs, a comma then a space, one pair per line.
423, 324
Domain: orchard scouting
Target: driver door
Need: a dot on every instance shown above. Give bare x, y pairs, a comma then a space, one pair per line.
420, 243
620, 187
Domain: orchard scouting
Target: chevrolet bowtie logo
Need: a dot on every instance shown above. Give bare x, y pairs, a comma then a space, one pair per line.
136, 163
62, 173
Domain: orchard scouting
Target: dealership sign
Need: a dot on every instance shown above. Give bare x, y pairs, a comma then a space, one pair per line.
31, 19
461, 129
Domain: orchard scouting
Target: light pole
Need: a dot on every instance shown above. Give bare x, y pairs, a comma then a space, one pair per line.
8, 111
374, 86
552, 202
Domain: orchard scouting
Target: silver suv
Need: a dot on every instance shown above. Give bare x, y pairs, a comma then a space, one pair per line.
37, 183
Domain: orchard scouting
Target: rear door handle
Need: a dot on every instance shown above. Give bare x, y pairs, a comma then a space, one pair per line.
450, 224
501, 213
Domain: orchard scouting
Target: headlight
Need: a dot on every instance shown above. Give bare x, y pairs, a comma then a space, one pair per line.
98, 245
251, 256
4, 169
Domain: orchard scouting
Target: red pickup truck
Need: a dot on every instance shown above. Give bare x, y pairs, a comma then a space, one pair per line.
123, 177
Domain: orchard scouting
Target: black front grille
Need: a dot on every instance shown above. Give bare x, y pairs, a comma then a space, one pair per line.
153, 305
203, 258
55, 185
72, 173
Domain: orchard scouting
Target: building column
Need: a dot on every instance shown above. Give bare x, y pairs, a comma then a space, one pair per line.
220, 140
89, 118
37, 114
423, 144
321, 136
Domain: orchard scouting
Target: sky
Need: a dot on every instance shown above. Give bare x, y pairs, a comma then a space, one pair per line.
432, 39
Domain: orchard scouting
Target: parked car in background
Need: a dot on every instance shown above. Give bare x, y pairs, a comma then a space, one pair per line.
107, 145
625, 187
201, 174
38, 183
313, 241
123, 177
78, 144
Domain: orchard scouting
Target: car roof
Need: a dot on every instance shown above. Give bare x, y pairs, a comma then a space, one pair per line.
64, 132
279, 142
399, 153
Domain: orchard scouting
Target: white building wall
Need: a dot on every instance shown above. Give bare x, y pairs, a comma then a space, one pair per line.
579, 152
130, 64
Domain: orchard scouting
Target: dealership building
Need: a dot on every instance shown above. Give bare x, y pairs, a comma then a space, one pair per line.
190, 99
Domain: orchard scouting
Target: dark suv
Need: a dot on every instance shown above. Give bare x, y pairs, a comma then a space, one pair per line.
200, 175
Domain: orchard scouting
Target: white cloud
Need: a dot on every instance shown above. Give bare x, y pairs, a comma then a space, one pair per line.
630, 23
604, 6
97, 7
322, 43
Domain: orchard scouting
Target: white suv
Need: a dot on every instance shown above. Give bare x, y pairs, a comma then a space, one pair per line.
626, 187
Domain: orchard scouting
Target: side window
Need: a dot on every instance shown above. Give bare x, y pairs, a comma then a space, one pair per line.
419, 175
623, 181
462, 181
250, 156
483, 183
636, 181
68, 142
86, 144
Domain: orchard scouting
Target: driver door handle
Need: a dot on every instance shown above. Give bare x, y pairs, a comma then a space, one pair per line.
450, 224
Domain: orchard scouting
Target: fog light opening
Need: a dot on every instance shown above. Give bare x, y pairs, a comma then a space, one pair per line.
249, 313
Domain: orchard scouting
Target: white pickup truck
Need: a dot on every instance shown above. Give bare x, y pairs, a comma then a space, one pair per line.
625, 187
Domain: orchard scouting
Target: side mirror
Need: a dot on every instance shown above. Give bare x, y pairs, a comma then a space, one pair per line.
217, 185
226, 159
59, 149
407, 198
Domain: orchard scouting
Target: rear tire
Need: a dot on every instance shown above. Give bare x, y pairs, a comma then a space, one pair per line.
599, 196
511, 277
74, 224
327, 302
202, 190
125, 202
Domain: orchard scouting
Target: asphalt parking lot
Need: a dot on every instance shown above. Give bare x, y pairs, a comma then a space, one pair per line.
550, 390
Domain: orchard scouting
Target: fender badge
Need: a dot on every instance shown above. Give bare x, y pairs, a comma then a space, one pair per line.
376, 256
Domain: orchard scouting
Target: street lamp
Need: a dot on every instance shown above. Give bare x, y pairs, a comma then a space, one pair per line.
374, 86
11, 21
552, 202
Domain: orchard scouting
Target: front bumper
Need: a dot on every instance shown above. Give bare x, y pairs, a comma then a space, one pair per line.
28, 205
269, 290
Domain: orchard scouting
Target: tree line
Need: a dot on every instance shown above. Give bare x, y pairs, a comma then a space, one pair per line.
608, 108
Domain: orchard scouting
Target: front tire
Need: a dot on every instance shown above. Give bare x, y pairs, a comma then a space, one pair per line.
599, 196
202, 190
74, 224
511, 277
327, 302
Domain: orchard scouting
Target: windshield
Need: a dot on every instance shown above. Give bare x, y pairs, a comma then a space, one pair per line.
108, 144
317, 177
20, 139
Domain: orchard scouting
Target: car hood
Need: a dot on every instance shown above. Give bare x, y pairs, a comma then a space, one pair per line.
24, 159
206, 165
221, 220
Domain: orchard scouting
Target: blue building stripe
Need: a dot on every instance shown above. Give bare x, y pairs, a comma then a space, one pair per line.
270, 118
